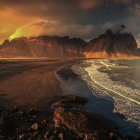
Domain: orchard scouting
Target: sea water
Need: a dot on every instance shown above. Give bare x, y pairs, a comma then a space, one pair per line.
115, 80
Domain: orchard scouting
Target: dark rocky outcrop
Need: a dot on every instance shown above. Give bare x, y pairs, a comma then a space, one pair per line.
67, 121
84, 125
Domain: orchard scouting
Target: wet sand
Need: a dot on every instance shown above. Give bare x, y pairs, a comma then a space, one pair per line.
29, 82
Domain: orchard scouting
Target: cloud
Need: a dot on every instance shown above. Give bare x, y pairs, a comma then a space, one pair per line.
82, 18
66, 10
10, 21
108, 25
133, 20
89, 4
44, 27
138, 42
53, 9
126, 1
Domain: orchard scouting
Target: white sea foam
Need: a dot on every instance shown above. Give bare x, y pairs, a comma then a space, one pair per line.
126, 99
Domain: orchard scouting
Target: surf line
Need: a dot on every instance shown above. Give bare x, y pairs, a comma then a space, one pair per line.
107, 66
130, 99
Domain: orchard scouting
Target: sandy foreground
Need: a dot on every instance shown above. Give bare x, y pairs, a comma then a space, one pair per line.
29, 82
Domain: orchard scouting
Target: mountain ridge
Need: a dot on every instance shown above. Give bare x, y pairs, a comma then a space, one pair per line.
43, 46
110, 45
106, 45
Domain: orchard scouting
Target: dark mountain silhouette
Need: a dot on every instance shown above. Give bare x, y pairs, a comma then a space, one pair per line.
43, 46
106, 45
111, 44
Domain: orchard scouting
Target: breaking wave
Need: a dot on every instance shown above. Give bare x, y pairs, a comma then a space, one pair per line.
115, 80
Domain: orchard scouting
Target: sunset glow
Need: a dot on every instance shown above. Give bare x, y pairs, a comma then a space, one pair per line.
18, 33
70, 69
81, 18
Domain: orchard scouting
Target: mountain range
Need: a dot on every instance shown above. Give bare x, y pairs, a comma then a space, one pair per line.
106, 45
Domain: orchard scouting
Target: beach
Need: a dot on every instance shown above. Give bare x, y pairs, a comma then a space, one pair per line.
29, 82
50, 91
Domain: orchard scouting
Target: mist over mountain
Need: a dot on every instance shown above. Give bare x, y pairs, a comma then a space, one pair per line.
106, 45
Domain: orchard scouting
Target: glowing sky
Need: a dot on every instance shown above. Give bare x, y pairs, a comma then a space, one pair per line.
77, 18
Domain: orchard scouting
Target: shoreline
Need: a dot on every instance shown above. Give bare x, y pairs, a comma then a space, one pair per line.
103, 106
71, 96
34, 82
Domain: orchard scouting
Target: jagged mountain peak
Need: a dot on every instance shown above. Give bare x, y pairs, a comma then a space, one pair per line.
110, 44
106, 45
43, 46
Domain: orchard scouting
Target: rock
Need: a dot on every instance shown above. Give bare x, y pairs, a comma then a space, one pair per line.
1, 137
9, 125
71, 102
84, 125
91, 136
61, 136
46, 136
21, 113
16, 109
73, 120
51, 132
114, 136
44, 122
21, 136
34, 116
56, 123
65, 124
32, 112
1, 109
81, 135
53, 138
34, 126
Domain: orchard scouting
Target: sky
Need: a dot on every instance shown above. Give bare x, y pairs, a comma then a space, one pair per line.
77, 18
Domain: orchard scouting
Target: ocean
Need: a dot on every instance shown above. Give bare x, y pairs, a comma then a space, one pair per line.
114, 80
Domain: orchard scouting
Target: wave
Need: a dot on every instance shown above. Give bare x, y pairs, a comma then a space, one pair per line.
97, 74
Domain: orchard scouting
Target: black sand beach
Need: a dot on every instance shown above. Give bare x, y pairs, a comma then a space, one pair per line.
47, 100
72, 84
28, 82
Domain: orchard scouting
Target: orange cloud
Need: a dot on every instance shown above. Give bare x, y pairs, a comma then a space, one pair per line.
10, 21
89, 4
52, 27
126, 1
74, 17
